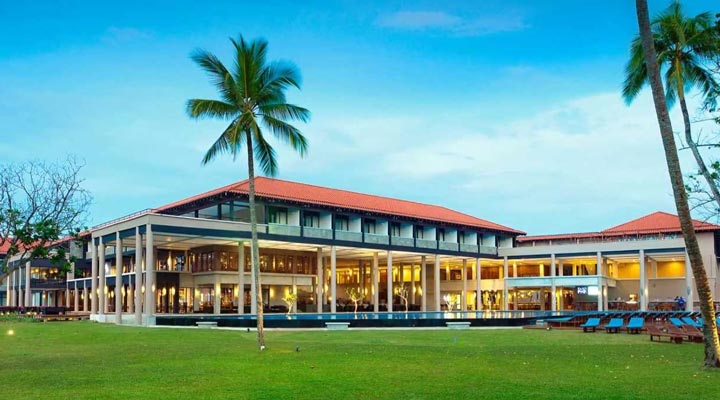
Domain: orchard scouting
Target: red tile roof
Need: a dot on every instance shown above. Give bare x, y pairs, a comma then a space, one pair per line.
657, 222
311, 194
4, 248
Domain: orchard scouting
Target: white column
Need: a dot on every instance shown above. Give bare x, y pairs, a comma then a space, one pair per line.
463, 301
28, 291
688, 284
376, 282
560, 267
553, 288
149, 274
218, 295
7, 293
118, 279
438, 297
333, 279
102, 304
643, 283
599, 268
85, 297
505, 283
389, 281
130, 298
423, 284
600, 302
253, 287
76, 299
138, 276
320, 280
478, 284
412, 284
605, 297
241, 277
93, 278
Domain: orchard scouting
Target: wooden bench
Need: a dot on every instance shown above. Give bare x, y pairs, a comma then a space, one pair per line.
458, 325
657, 332
206, 324
337, 326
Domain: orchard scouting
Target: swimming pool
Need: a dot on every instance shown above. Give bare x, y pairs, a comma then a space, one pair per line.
364, 319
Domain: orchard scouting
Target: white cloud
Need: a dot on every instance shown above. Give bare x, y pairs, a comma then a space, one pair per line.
443, 21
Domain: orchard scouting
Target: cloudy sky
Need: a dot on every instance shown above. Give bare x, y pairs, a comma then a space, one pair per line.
506, 110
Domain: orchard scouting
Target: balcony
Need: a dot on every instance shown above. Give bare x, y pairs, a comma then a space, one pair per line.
469, 248
425, 244
376, 239
349, 236
488, 250
449, 246
317, 233
402, 241
282, 229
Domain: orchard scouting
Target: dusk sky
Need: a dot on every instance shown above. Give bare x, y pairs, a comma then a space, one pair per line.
506, 110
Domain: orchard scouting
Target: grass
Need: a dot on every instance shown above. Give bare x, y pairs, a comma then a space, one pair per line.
88, 360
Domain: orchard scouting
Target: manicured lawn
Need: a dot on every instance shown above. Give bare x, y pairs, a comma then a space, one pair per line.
88, 360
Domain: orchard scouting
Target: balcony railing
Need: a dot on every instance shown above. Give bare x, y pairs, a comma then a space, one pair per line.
349, 236
426, 244
376, 239
469, 248
318, 233
281, 229
402, 241
450, 246
488, 250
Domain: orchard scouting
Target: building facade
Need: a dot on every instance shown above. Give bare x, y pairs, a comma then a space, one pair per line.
337, 250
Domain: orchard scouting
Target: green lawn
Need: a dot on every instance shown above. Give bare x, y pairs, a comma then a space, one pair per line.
88, 360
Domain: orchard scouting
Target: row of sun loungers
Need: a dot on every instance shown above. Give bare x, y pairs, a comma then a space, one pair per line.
677, 330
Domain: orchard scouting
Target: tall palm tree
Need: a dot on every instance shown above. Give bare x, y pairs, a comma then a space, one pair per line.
710, 332
685, 47
252, 98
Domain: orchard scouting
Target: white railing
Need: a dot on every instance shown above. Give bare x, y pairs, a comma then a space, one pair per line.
376, 239
349, 236
281, 229
318, 233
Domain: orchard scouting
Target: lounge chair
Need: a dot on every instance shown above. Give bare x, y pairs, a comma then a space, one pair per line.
635, 325
691, 322
658, 332
694, 336
614, 325
591, 323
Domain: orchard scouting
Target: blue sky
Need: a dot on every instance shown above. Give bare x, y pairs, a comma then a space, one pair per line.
506, 110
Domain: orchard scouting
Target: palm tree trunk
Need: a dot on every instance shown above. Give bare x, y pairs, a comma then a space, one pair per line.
710, 333
693, 146
255, 257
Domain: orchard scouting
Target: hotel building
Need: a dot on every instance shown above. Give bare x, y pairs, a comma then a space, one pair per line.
322, 244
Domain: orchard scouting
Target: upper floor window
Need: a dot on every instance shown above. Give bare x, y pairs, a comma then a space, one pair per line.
342, 223
369, 226
419, 232
311, 219
211, 212
395, 229
441, 234
277, 215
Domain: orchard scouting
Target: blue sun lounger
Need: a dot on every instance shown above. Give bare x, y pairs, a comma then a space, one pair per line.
614, 325
691, 322
590, 325
635, 325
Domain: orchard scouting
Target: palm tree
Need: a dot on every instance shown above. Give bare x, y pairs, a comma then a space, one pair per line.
710, 332
252, 98
685, 47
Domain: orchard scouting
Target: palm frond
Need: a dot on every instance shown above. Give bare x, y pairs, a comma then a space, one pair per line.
285, 111
287, 133
264, 153
219, 75
203, 108
229, 142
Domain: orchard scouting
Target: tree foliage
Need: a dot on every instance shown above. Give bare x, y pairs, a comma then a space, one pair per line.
41, 203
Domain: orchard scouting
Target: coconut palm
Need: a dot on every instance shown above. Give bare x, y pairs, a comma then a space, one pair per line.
252, 99
710, 332
685, 47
